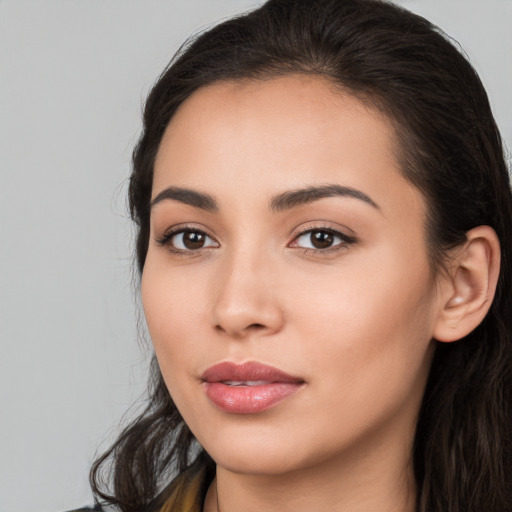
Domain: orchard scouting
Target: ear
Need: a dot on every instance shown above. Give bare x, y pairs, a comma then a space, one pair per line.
468, 287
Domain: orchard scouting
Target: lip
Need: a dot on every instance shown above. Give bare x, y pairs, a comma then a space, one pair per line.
248, 388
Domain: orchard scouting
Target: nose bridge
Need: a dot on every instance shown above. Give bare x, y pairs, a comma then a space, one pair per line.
245, 298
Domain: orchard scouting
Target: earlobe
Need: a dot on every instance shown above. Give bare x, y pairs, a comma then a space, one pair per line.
468, 288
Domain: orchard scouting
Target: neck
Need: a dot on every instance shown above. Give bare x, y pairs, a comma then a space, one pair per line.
373, 479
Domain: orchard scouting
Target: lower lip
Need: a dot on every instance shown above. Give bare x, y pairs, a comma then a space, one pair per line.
249, 399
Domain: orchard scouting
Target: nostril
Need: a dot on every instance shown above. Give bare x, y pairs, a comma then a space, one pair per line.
250, 327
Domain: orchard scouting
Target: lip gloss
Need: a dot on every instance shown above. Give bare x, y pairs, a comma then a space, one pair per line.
248, 388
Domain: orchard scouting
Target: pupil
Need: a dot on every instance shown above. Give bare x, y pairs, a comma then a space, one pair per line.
193, 240
321, 239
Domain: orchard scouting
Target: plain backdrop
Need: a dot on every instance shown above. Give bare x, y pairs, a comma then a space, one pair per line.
73, 76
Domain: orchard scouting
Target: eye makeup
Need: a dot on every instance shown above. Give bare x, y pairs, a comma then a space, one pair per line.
191, 240
321, 239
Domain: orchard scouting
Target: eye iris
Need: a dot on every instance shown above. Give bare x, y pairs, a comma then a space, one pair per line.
193, 240
322, 239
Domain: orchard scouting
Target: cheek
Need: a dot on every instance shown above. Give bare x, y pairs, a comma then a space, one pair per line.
368, 329
173, 315
173, 319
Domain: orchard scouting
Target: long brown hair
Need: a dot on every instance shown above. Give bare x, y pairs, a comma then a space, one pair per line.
450, 148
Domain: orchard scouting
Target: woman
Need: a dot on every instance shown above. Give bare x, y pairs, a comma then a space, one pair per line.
324, 216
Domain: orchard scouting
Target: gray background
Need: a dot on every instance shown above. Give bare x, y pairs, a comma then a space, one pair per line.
73, 74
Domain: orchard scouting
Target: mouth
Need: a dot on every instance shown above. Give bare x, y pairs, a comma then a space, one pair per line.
246, 382
248, 388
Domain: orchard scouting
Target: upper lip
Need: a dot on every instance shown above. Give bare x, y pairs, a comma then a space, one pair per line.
250, 371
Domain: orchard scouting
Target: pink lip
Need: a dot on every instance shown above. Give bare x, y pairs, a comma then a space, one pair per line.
248, 399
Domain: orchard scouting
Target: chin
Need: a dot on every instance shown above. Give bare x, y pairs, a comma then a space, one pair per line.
261, 462
264, 453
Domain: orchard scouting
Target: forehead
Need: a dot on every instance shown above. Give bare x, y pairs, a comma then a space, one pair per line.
302, 109
279, 134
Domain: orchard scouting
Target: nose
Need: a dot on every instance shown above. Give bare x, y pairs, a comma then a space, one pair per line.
246, 302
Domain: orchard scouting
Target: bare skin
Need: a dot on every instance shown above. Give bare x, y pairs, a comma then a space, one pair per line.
335, 289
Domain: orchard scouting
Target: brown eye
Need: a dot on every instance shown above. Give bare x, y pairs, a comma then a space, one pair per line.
321, 239
193, 240
189, 240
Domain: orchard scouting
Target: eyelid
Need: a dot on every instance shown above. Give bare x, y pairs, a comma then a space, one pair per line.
165, 239
346, 239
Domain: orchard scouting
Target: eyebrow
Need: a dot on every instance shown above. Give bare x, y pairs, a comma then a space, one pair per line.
285, 201
187, 196
294, 198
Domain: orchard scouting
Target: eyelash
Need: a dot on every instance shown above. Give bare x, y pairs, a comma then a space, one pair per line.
166, 239
346, 240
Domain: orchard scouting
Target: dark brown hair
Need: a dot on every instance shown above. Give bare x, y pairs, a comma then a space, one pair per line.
450, 148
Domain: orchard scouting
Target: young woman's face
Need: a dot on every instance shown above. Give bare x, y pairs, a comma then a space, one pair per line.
283, 235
